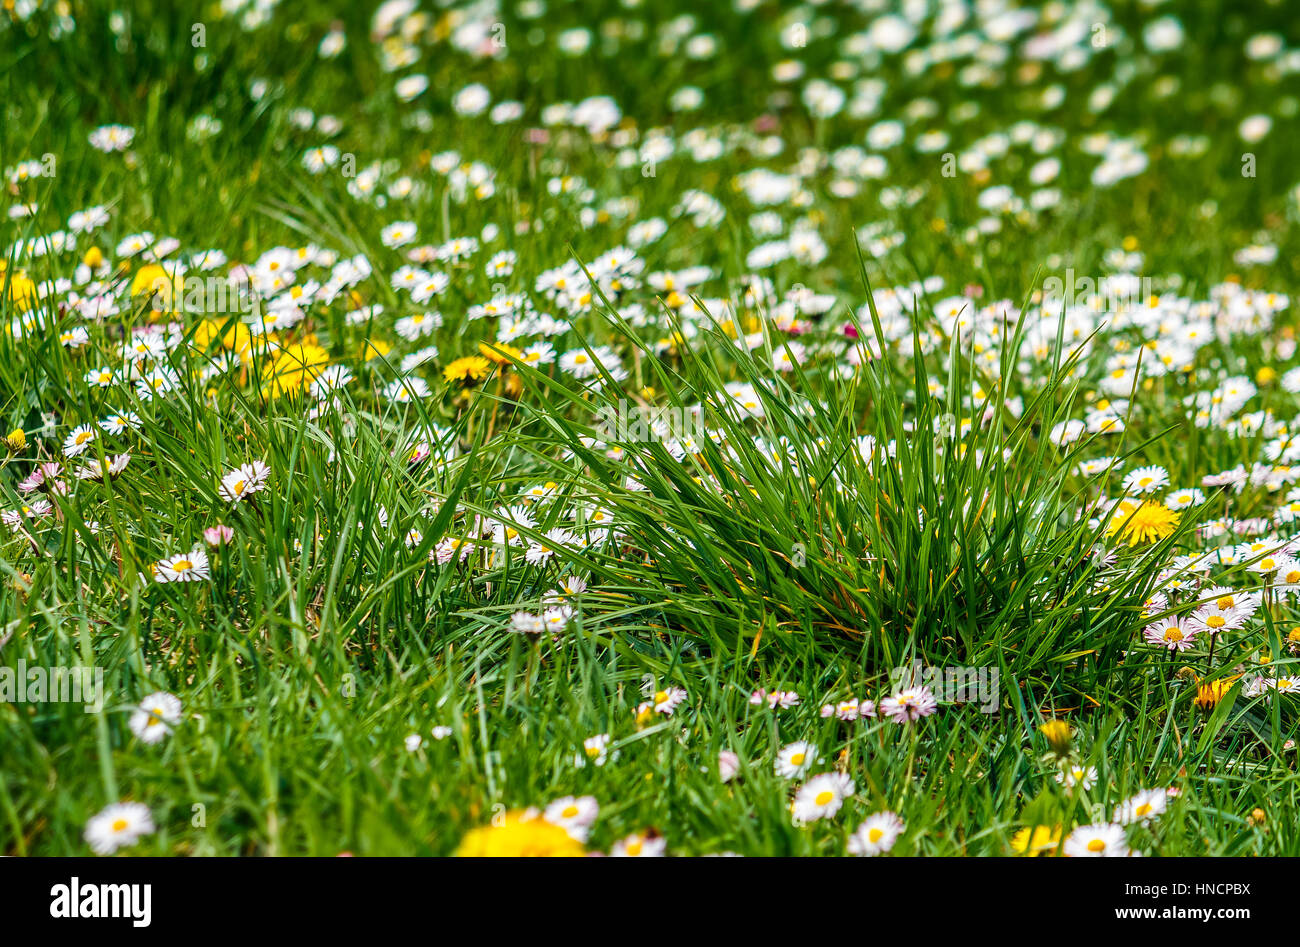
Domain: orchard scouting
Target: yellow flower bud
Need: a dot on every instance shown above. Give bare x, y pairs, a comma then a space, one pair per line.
1058, 735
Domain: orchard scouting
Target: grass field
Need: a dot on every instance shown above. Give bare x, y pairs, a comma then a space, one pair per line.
649, 428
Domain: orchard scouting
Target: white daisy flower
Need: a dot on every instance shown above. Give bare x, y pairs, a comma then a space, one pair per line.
795, 759
157, 715
876, 835
1097, 841
821, 797
118, 825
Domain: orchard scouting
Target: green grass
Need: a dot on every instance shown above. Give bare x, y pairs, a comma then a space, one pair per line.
783, 554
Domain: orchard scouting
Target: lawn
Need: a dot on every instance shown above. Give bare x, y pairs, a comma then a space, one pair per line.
641, 428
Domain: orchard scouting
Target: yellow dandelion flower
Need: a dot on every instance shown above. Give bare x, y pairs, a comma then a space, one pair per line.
1147, 523
167, 288
292, 367
21, 289
1058, 735
205, 333
469, 368
519, 835
1209, 694
499, 352
1036, 841
238, 339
